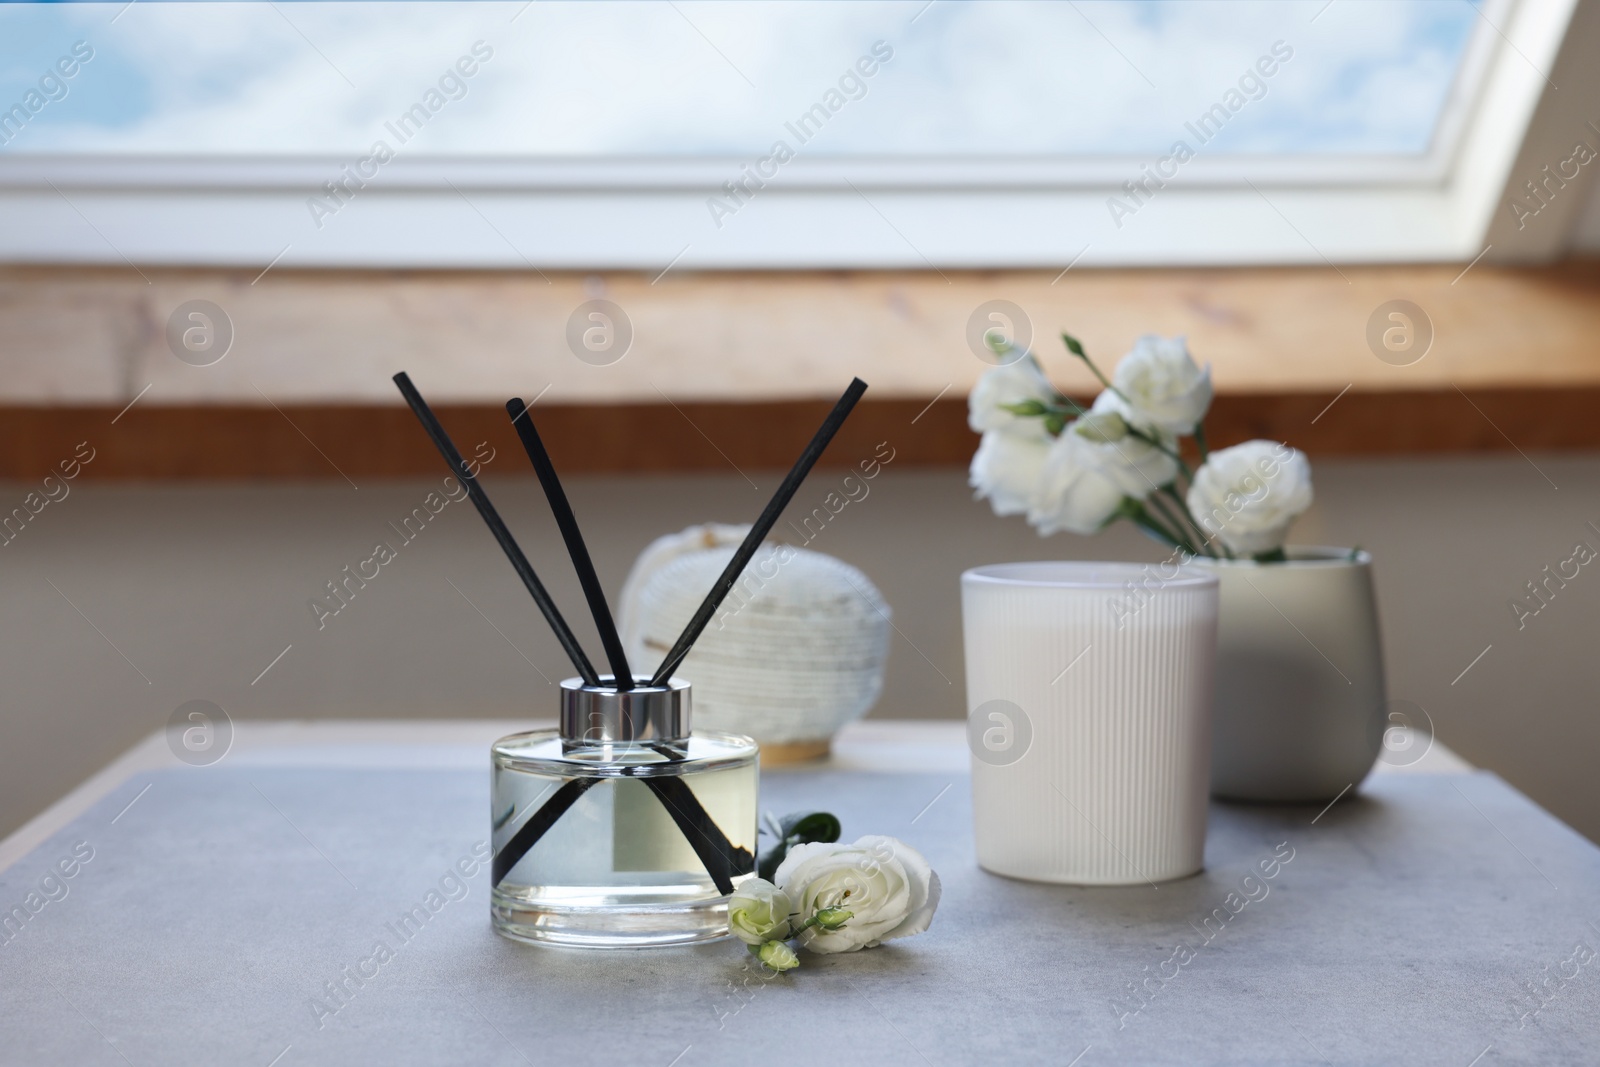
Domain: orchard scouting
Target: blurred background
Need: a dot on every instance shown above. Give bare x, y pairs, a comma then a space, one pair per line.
683, 227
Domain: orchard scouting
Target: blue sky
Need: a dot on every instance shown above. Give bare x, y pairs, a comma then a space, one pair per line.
626, 78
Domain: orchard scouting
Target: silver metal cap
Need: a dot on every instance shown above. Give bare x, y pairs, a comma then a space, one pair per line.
603, 714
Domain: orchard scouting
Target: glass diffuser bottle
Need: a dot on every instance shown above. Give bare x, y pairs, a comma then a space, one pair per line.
621, 828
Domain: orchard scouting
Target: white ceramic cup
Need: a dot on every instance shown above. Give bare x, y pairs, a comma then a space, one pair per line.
1089, 689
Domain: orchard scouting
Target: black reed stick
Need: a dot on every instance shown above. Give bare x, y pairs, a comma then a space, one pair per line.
723, 860
522, 419
537, 826
759, 531
491, 518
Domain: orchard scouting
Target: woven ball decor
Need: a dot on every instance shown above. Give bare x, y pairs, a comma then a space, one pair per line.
796, 651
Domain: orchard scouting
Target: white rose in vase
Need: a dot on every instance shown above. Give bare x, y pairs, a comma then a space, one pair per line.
1091, 467
885, 884
1135, 466
1013, 383
1161, 386
1107, 462
1247, 496
1072, 493
1008, 467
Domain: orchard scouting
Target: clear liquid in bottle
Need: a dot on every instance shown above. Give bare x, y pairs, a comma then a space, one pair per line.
630, 840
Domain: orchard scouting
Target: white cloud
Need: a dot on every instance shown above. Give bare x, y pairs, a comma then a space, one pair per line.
641, 78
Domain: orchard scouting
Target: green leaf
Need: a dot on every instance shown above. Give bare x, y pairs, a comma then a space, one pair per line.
1073, 345
1025, 408
811, 826
793, 829
1072, 407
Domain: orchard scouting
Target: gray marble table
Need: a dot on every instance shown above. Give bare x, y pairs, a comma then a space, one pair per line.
1439, 919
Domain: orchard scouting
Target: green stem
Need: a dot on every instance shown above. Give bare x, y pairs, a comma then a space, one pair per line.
1177, 524
1141, 518
1216, 548
1098, 373
1182, 507
1200, 442
1081, 354
1183, 468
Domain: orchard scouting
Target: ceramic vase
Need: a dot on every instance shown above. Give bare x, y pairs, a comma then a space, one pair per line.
1299, 708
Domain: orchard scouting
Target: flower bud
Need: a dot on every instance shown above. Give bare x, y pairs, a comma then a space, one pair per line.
995, 341
779, 956
1104, 427
833, 918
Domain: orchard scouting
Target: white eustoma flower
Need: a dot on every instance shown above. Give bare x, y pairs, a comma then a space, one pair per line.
1165, 389
1073, 493
1135, 466
884, 883
1008, 468
1010, 384
759, 912
1086, 478
1248, 495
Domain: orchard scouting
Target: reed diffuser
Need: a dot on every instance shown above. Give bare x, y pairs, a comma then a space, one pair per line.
622, 827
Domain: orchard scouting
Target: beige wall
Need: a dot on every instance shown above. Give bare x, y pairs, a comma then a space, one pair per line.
201, 586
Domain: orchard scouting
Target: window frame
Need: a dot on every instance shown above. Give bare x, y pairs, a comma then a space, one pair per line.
827, 213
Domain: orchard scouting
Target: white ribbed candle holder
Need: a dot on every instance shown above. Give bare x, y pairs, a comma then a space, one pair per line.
1089, 690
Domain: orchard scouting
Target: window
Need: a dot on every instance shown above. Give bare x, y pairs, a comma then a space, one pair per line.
641, 133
